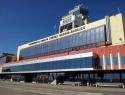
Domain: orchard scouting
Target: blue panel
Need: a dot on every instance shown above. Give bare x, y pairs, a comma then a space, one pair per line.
107, 76
101, 61
115, 60
123, 75
123, 59
116, 76
107, 61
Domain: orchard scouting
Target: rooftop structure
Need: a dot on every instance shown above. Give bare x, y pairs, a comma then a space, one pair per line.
75, 18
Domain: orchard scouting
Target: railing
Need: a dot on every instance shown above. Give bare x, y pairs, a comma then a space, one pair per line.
111, 84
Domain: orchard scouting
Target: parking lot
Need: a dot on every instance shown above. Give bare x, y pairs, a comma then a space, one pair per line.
17, 88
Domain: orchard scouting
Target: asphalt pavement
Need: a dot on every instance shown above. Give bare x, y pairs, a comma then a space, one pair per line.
17, 88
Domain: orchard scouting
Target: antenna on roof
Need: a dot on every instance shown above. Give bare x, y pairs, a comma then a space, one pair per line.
80, 5
118, 10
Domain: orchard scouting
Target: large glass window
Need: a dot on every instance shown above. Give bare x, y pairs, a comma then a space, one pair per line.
97, 31
86, 62
102, 34
92, 36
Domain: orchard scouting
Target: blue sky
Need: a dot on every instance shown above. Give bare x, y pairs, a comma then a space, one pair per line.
23, 21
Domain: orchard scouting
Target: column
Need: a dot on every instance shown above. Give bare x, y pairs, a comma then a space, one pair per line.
104, 62
119, 61
111, 62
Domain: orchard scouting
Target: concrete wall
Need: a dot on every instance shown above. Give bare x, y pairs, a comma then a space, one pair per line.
123, 17
117, 30
95, 24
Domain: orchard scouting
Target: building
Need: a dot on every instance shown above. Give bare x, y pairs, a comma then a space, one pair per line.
7, 57
88, 52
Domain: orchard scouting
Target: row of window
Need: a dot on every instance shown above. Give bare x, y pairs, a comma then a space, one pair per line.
106, 77
87, 62
115, 60
67, 27
92, 36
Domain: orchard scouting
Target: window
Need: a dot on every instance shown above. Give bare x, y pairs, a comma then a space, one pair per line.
91, 36
53, 65
107, 76
102, 34
123, 59
115, 60
97, 35
107, 61
101, 61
